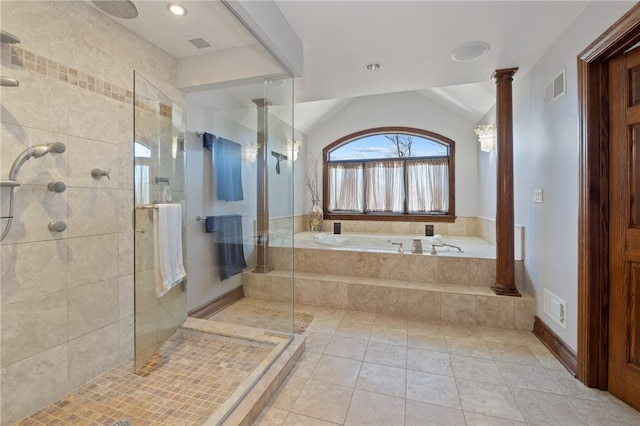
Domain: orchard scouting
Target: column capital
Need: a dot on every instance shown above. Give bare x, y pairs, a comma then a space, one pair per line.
504, 73
264, 102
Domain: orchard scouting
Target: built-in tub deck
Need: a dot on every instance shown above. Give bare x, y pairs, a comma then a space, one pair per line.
448, 286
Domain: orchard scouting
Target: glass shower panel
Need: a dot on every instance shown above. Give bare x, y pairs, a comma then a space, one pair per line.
159, 178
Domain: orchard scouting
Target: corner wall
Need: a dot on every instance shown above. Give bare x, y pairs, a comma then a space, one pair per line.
67, 298
546, 157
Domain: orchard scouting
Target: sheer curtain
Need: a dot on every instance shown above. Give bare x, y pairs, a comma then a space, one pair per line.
428, 185
346, 187
384, 186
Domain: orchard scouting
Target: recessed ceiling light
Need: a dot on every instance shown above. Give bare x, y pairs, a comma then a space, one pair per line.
177, 9
372, 66
469, 51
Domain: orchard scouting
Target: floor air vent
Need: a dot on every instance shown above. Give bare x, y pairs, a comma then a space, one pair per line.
123, 422
556, 88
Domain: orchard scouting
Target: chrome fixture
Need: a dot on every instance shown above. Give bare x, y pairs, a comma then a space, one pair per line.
100, 173
160, 179
400, 249
57, 187
279, 157
416, 248
372, 66
9, 82
6, 37
124, 9
433, 247
36, 151
57, 226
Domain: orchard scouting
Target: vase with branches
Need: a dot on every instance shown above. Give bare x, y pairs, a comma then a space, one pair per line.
316, 214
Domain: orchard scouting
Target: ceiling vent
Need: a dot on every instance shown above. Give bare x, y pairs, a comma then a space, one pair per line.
199, 42
556, 88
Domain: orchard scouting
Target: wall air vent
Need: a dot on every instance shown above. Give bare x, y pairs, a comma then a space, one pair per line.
199, 42
556, 88
555, 308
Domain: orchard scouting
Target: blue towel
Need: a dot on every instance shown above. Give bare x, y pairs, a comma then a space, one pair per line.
208, 140
229, 243
228, 170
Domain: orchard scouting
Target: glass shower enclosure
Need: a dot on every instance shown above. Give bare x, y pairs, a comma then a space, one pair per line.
159, 178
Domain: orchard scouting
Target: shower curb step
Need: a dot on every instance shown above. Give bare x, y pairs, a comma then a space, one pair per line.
464, 304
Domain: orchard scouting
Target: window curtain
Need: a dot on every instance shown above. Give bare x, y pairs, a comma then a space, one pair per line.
428, 185
384, 186
346, 187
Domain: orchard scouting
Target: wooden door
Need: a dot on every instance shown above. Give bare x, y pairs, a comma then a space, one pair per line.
624, 231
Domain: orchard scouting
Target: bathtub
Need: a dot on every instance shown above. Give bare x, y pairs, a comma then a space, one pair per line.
388, 243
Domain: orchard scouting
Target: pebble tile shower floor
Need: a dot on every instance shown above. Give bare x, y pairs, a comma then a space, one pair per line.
182, 384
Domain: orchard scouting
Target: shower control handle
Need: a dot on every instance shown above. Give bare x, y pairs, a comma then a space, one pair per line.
57, 226
100, 173
57, 187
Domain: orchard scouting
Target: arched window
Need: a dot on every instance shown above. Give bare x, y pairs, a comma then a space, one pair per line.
390, 173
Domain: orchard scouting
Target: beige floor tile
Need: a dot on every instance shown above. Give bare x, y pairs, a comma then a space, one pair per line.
339, 371
306, 364
528, 377
605, 413
354, 330
382, 379
271, 416
432, 388
316, 342
486, 398
476, 348
287, 393
357, 316
294, 419
391, 321
429, 362
325, 326
428, 342
373, 409
476, 419
546, 408
420, 414
570, 386
388, 335
431, 328
324, 401
481, 370
513, 352
382, 353
346, 348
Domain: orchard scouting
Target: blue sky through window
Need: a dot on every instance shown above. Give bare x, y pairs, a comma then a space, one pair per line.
375, 147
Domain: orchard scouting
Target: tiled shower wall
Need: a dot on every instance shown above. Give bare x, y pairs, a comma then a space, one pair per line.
67, 298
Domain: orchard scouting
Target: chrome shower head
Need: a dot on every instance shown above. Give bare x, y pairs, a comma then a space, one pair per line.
36, 151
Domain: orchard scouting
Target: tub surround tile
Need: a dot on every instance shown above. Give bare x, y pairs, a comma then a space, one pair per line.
423, 305
458, 308
496, 312
524, 311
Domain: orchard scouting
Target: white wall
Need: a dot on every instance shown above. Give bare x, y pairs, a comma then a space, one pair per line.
407, 109
204, 281
546, 157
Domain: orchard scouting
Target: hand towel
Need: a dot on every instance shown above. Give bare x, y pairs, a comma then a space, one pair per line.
167, 247
228, 170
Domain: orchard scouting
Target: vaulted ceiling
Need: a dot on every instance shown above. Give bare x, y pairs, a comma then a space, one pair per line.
411, 40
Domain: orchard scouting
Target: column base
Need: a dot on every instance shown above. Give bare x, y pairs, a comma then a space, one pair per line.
501, 291
263, 269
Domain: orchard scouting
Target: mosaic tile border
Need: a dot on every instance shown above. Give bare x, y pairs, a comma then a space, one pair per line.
42, 65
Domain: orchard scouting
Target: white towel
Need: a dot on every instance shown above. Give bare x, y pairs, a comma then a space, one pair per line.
167, 247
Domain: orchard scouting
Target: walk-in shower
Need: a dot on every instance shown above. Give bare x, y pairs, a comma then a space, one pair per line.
36, 151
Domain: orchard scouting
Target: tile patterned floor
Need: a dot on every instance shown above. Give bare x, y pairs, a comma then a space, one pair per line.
368, 369
182, 384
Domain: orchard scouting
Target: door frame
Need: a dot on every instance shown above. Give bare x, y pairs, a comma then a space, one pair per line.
593, 218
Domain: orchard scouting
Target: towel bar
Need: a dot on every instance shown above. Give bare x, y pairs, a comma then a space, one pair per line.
147, 206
